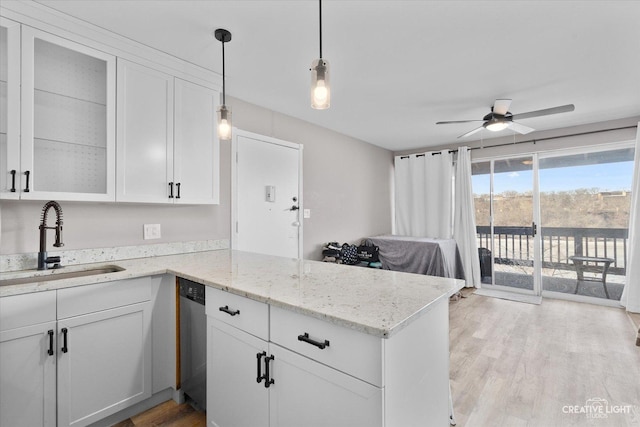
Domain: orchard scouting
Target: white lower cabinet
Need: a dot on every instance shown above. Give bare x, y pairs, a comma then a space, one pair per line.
252, 381
308, 393
89, 361
300, 392
28, 360
237, 399
28, 376
272, 367
104, 363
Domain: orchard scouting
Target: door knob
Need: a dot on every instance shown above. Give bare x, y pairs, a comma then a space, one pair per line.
294, 208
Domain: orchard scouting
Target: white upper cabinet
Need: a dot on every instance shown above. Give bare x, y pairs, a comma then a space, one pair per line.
67, 149
196, 149
145, 134
168, 151
9, 109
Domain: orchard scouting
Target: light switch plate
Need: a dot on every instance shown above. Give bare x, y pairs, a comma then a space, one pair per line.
306, 213
151, 231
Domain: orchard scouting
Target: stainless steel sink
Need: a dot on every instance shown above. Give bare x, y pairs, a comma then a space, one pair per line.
60, 275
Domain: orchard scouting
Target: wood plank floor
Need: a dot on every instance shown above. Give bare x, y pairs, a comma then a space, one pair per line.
169, 414
515, 364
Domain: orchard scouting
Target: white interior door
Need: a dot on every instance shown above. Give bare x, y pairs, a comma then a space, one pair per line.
267, 196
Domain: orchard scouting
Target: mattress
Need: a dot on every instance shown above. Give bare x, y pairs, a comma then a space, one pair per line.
421, 255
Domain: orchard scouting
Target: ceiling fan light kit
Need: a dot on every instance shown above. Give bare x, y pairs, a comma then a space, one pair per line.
320, 87
224, 112
500, 118
495, 124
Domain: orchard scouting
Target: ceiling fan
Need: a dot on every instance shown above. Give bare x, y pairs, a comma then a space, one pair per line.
501, 118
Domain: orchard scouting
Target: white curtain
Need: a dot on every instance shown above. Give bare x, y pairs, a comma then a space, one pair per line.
423, 187
631, 293
464, 221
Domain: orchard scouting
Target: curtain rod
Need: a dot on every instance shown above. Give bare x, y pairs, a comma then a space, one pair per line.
455, 150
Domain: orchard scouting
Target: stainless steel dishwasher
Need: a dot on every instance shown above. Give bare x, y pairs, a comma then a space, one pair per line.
193, 343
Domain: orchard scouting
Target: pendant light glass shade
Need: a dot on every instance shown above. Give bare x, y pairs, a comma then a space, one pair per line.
320, 86
224, 123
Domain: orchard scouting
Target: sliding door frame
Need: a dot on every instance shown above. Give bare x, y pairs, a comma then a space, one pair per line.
535, 215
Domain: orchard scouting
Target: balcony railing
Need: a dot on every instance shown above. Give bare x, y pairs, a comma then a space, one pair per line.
514, 245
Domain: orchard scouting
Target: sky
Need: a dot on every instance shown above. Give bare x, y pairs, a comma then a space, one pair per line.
605, 177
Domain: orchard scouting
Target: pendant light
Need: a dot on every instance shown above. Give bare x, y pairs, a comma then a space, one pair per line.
224, 113
320, 89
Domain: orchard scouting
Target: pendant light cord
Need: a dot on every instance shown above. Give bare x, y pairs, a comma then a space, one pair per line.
223, 78
320, 2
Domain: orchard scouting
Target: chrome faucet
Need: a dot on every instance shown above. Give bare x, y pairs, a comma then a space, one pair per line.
43, 259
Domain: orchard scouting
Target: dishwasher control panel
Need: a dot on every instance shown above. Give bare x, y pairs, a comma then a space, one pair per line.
192, 290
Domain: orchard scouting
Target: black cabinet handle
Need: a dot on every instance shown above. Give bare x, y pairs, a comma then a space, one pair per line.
64, 340
27, 173
50, 351
171, 190
259, 356
228, 311
267, 377
13, 180
178, 187
321, 345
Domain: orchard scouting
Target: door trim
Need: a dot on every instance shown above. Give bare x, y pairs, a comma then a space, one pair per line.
234, 181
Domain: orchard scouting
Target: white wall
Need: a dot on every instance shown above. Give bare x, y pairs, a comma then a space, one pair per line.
346, 184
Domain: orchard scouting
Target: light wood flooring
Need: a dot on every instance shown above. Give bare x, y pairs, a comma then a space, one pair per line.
515, 364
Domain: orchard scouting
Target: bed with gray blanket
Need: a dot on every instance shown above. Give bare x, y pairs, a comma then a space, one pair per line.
422, 255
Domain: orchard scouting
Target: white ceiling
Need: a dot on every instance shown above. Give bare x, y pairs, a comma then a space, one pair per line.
397, 67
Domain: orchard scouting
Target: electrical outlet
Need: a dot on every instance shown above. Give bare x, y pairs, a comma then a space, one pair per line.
151, 231
306, 213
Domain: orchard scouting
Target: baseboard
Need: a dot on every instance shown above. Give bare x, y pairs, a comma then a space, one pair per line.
156, 399
511, 296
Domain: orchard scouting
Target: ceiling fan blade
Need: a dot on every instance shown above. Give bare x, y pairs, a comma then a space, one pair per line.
520, 128
547, 111
501, 106
458, 121
471, 132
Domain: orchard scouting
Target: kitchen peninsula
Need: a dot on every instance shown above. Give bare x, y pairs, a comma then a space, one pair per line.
343, 345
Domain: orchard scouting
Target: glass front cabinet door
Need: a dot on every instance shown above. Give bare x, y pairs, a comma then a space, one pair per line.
9, 108
67, 144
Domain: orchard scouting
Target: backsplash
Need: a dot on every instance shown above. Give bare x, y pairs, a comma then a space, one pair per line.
29, 261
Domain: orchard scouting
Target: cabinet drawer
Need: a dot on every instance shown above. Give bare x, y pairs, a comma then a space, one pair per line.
248, 315
91, 298
349, 351
18, 311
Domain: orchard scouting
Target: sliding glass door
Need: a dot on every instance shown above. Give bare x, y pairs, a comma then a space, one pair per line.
581, 201
585, 199
504, 202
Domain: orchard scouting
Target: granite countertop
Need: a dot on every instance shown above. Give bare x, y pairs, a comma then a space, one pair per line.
376, 302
